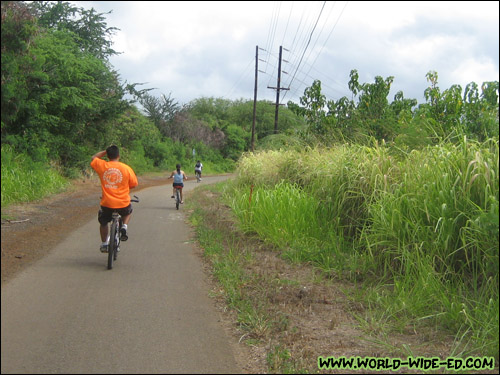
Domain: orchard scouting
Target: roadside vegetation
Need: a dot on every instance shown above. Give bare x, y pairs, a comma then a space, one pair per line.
24, 180
421, 227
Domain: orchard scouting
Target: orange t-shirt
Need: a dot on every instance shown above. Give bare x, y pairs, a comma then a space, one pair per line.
116, 181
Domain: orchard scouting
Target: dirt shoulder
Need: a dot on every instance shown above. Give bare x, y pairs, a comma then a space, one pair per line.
31, 230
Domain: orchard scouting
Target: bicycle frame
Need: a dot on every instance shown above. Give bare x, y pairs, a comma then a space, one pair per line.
115, 236
114, 239
177, 196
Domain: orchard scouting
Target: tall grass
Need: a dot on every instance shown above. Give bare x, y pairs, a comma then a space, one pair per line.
425, 222
287, 217
24, 180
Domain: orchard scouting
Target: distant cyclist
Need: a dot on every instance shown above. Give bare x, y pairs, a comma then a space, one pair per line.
179, 177
197, 168
116, 181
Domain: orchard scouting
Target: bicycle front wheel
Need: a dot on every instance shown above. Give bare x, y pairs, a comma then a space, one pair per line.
113, 243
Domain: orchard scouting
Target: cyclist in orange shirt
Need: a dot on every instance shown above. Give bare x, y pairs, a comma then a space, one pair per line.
116, 181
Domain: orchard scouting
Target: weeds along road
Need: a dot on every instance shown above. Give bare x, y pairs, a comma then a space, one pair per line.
150, 314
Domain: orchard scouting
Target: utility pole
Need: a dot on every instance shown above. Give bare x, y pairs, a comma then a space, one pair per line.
255, 94
278, 89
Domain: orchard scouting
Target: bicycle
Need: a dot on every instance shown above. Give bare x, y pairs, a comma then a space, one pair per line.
177, 196
115, 236
198, 175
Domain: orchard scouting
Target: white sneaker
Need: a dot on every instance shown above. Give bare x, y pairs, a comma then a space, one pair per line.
104, 248
123, 234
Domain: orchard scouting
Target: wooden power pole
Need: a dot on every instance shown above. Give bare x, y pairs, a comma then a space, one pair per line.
278, 89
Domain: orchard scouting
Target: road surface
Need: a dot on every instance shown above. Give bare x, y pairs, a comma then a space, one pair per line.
150, 314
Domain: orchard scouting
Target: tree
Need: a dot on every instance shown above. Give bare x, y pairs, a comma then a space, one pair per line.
372, 115
56, 95
89, 29
314, 103
451, 114
373, 108
480, 112
161, 111
188, 129
236, 142
19, 29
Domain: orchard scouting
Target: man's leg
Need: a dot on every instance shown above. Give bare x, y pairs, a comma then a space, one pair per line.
126, 219
103, 229
124, 230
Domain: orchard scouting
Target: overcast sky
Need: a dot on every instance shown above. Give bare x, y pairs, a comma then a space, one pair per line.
207, 49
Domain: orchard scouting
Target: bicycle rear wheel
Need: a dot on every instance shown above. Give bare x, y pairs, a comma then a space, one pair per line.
177, 198
117, 239
113, 243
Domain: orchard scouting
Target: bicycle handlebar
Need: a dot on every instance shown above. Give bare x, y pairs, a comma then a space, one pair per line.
132, 200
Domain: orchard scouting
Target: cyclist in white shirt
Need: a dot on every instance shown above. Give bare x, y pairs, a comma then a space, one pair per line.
197, 168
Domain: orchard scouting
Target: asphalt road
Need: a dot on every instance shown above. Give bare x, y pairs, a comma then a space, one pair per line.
150, 314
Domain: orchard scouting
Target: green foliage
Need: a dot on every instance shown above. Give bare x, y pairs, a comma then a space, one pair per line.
447, 115
132, 126
314, 108
283, 141
161, 111
222, 113
18, 31
212, 111
87, 27
135, 157
213, 161
236, 141
61, 102
56, 95
24, 180
425, 222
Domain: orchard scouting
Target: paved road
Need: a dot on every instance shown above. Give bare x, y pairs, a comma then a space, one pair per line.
149, 314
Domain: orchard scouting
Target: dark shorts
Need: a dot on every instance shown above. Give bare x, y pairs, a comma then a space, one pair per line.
105, 213
178, 184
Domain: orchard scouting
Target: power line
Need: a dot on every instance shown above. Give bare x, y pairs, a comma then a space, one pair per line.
308, 41
333, 28
287, 22
302, 39
272, 31
245, 72
301, 68
319, 53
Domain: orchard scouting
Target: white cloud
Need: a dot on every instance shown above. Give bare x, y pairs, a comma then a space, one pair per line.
474, 70
195, 49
